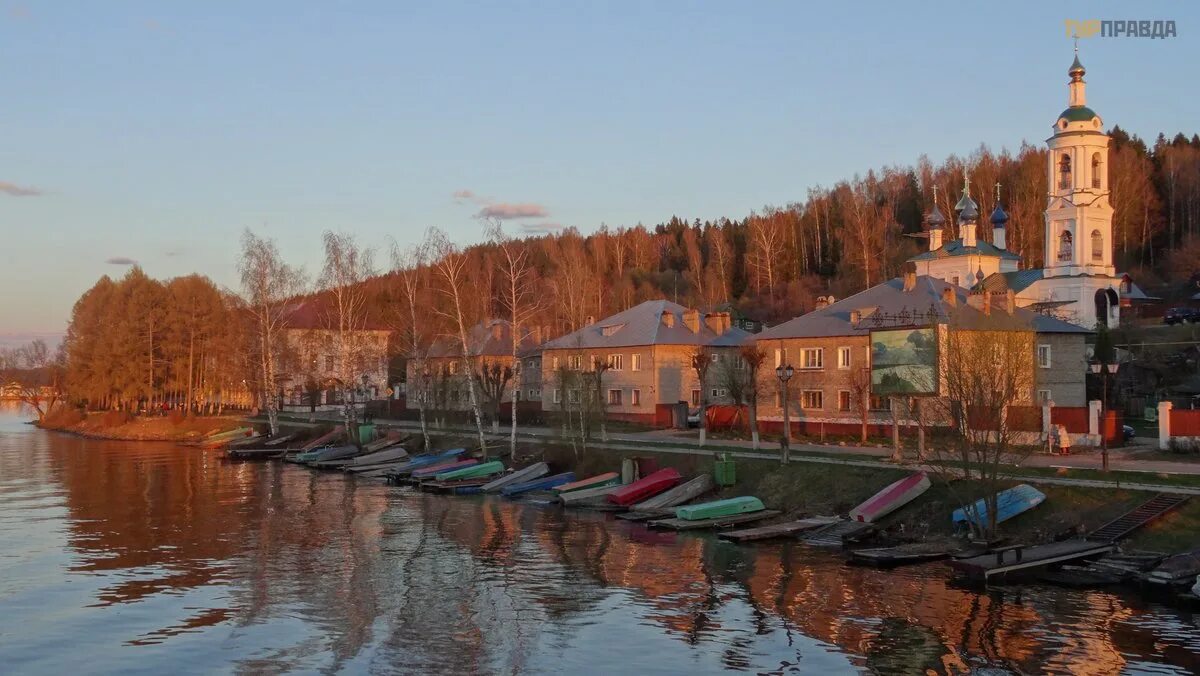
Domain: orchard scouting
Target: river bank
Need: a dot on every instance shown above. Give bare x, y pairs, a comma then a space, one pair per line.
119, 426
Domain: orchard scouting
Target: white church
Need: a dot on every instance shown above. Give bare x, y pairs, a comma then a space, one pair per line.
1077, 281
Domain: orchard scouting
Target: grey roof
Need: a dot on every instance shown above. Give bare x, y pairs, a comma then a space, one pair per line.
1017, 281
955, 248
643, 325
922, 303
492, 338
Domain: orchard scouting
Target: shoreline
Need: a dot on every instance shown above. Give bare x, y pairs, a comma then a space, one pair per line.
160, 429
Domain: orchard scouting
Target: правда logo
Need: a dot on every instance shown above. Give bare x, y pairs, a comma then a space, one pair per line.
1129, 28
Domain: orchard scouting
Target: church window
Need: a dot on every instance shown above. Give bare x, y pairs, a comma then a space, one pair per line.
1065, 247
1064, 172
1097, 171
1097, 246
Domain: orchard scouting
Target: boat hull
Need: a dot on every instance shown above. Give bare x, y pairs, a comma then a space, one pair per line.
442, 467
719, 508
542, 484
522, 475
1009, 503
646, 487
598, 481
893, 497
475, 472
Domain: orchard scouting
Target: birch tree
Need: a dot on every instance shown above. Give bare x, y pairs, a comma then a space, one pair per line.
409, 266
347, 268
450, 266
268, 286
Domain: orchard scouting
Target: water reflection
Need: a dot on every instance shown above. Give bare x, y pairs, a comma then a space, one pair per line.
155, 558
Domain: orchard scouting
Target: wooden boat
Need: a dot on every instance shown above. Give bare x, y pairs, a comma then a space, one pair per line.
1009, 503
585, 496
542, 484
719, 508
223, 438
386, 455
778, 530
715, 522
251, 439
681, 494
445, 466
891, 498
646, 487
606, 479
1179, 569
529, 473
893, 557
477, 471
326, 453
426, 459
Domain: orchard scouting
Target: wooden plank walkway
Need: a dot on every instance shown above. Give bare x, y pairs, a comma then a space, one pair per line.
1014, 559
838, 533
778, 530
1124, 525
719, 522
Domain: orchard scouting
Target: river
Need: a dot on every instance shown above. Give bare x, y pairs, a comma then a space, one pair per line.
153, 558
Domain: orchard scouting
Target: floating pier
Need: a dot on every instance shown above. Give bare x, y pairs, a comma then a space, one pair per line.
778, 530
1020, 558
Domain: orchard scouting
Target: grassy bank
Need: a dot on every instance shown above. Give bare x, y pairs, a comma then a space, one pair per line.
119, 425
805, 489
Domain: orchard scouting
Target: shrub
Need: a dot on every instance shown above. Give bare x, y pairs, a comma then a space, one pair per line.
63, 417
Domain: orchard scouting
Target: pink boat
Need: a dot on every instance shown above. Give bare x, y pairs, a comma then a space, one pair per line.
891, 498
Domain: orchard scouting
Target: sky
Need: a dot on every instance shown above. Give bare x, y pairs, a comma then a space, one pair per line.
157, 132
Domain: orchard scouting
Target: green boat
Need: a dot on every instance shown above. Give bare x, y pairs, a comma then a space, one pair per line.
473, 472
719, 508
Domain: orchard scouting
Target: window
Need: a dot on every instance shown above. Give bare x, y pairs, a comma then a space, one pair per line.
530, 364
1043, 356
635, 397
1097, 246
845, 400
554, 363
573, 396
616, 362
716, 358
533, 394
695, 397
635, 362
811, 399
557, 396
843, 357
1064, 172
614, 397
1066, 246
576, 362
878, 403
780, 356
1097, 171
452, 368
1043, 397
812, 358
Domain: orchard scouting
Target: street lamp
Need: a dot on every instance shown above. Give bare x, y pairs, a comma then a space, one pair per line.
1104, 370
784, 374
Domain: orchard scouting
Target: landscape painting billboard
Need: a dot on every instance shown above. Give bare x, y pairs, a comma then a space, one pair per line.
904, 361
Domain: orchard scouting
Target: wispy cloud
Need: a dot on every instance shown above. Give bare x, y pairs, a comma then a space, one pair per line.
464, 196
506, 211
14, 190
541, 228
121, 260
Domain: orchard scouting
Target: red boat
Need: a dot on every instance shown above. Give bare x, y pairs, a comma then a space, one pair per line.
444, 467
645, 487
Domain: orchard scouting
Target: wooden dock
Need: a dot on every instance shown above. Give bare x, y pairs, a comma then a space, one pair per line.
838, 533
778, 530
719, 522
1019, 558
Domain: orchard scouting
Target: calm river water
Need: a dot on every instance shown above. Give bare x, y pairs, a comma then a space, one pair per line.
151, 558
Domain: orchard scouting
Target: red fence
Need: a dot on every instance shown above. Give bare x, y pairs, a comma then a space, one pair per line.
1074, 418
1185, 423
1112, 427
1025, 418
726, 417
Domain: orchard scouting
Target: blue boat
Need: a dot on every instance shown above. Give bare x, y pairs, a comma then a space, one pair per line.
543, 484
1009, 503
427, 459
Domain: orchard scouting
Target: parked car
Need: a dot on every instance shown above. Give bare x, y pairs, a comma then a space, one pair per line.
1128, 432
1181, 315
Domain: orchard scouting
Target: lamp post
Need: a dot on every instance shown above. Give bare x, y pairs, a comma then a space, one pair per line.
784, 374
1104, 369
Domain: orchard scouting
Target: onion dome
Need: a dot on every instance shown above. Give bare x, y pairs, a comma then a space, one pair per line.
979, 274
999, 218
935, 219
1076, 70
967, 209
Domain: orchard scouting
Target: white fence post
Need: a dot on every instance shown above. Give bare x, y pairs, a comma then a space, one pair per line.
1164, 425
1094, 421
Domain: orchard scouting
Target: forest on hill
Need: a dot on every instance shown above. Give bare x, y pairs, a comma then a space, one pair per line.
139, 338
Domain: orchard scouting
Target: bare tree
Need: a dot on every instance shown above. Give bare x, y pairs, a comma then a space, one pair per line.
268, 287
409, 266
492, 378
988, 368
36, 374
746, 369
347, 267
451, 268
860, 389
521, 301
702, 360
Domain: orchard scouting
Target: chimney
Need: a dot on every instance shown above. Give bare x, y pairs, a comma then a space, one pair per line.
668, 318
910, 276
1005, 300
949, 297
691, 319
591, 319
718, 322
536, 336
855, 317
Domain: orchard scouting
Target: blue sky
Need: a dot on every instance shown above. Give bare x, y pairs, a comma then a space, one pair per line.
158, 131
